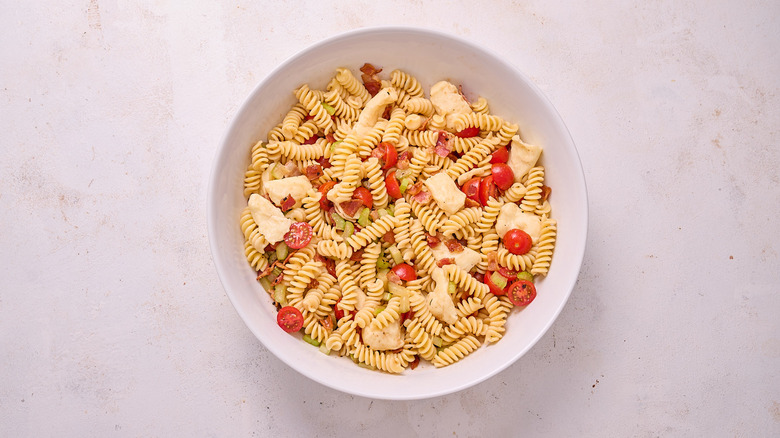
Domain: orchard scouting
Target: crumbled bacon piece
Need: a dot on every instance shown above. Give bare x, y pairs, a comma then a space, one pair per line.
403, 160
393, 277
265, 272
324, 162
454, 246
443, 144
472, 203
433, 241
422, 197
351, 207
413, 364
278, 279
327, 323
492, 260
415, 188
288, 202
389, 237
330, 138
546, 191
311, 140
445, 261
357, 256
313, 284
313, 171
370, 78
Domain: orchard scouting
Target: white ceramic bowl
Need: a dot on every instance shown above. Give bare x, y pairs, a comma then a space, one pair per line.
429, 56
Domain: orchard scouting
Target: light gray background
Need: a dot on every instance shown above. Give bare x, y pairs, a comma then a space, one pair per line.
113, 320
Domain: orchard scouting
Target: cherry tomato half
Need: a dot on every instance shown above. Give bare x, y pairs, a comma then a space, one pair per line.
521, 292
405, 272
391, 155
487, 190
503, 176
495, 289
363, 195
289, 319
471, 131
517, 241
300, 235
507, 273
471, 188
324, 189
501, 155
391, 184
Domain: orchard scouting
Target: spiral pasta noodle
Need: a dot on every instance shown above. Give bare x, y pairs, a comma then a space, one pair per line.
333, 264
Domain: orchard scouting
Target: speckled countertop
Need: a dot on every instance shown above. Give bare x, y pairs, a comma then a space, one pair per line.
113, 319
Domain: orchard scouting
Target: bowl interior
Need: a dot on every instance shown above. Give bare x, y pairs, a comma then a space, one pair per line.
430, 57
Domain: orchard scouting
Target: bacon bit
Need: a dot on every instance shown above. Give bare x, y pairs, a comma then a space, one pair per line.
356, 256
460, 91
288, 202
351, 207
314, 284
311, 140
324, 162
415, 188
472, 203
374, 215
413, 364
327, 323
369, 69
330, 138
445, 262
313, 171
464, 295
373, 85
405, 316
443, 144
546, 191
393, 278
266, 272
403, 160
389, 237
370, 78
492, 260
433, 241
308, 117
424, 124
387, 112
278, 279
454, 246
422, 197
480, 278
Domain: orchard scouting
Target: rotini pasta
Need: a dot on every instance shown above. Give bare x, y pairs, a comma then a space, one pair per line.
381, 253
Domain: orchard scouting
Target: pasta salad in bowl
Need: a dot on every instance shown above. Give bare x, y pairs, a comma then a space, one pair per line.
408, 221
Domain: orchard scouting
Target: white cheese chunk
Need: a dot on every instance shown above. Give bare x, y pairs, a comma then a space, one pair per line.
446, 193
448, 102
522, 157
373, 110
388, 338
439, 300
466, 259
270, 220
297, 186
511, 216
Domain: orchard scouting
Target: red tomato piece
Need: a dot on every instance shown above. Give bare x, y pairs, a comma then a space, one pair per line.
391, 184
300, 235
391, 155
364, 195
517, 241
507, 273
405, 272
521, 292
503, 176
289, 319
324, 189
337, 311
471, 131
501, 155
311, 140
487, 190
471, 188
495, 289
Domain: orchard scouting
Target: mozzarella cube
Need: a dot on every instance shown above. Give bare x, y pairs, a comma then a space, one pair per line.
446, 193
439, 300
270, 220
296, 186
388, 338
522, 157
466, 259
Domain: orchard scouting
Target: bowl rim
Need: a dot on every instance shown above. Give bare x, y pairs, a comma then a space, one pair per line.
220, 156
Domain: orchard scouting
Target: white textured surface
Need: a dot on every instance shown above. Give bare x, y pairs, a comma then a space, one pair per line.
113, 320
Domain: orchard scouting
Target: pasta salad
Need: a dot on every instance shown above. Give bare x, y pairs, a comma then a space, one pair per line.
393, 226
